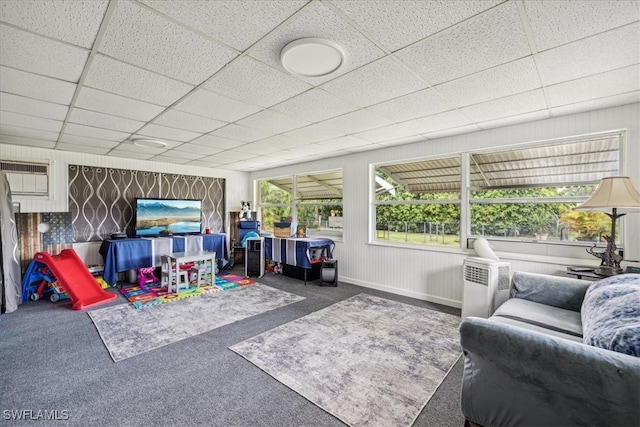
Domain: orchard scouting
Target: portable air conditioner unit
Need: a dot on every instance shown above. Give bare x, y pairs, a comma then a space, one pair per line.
482, 279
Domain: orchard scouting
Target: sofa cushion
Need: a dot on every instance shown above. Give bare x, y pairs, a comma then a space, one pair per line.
542, 315
611, 314
532, 327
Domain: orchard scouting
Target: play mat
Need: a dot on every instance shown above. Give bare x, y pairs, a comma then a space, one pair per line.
151, 294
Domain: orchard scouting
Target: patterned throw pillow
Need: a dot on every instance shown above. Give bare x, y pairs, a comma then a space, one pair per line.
611, 314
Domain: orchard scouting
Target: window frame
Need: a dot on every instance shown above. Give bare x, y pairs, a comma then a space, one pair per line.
574, 249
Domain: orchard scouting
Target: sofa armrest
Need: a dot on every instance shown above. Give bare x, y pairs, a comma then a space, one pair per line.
562, 292
514, 376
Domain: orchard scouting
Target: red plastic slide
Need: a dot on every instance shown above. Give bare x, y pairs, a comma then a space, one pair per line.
83, 289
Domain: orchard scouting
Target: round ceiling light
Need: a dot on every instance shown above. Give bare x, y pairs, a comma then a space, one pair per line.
311, 57
149, 143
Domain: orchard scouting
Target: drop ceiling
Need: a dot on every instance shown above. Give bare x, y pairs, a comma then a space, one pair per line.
205, 78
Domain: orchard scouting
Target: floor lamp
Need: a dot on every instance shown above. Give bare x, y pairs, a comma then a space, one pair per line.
615, 193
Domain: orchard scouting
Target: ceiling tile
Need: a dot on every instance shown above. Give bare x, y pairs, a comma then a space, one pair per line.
217, 142
508, 106
513, 120
317, 20
255, 83
385, 133
29, 52
376, 82
169, 159
123, 79
554, 23
597, 104
436, 122
401, 141
255, 148
130, 155
393, 23
23, 120
108, 103
93, 132
484, 41
75, 22
418, 104
141, 37
101, 150
314, 133
186, 121
208, 104
590, 56
357, 121
593, 87
84, 140
345, 143
241, 133
204, 163
105, 121
34, 107
182, 154
26, 140
199, 149
273, 121
238, 24
35, 86
232, 155
279, 142
503, 80
315, 105
309, 149
165, 132
23, 132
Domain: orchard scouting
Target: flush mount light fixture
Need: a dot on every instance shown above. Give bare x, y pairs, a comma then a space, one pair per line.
149, 143
311, 57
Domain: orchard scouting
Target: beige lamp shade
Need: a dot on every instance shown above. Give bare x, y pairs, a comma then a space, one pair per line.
613, 192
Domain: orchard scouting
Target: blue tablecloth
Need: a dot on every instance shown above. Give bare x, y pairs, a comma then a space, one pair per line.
295, 251
131, 254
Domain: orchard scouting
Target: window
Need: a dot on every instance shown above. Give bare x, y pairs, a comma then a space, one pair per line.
531, 193
525, 194
419, 202
311, 200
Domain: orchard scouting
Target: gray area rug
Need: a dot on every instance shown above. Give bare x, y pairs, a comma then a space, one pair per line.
366, 360
127, 331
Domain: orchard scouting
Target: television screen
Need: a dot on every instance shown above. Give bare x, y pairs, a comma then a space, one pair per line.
154, 217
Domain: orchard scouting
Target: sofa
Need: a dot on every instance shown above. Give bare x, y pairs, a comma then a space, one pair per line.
558, 352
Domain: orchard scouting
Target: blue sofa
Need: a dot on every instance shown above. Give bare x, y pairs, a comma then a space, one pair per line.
558, 352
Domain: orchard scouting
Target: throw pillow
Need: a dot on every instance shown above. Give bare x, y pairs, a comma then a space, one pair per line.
611, 314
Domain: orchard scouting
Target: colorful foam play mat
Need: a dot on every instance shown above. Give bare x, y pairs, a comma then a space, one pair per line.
151, 294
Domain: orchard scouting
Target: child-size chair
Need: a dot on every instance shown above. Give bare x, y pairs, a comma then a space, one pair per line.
173, 278
146, 275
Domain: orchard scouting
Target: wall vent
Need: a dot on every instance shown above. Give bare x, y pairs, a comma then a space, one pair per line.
26, 178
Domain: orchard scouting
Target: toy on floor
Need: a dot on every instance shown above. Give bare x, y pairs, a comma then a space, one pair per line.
146, 275
69, 274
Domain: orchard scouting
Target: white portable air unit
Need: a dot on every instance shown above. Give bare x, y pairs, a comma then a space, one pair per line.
482, 279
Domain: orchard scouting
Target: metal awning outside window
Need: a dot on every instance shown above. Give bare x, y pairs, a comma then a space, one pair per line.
320, 186
568, 163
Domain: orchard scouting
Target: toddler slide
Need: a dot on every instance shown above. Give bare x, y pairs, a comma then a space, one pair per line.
83, 289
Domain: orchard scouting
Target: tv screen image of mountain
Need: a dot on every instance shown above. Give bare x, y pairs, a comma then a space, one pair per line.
157, 217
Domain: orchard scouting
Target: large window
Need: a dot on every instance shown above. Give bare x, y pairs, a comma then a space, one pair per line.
527, 193
312, 200
419, 202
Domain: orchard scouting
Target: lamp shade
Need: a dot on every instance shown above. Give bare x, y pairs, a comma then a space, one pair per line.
613, 192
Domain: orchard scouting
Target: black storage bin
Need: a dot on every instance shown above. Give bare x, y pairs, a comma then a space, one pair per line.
298, 272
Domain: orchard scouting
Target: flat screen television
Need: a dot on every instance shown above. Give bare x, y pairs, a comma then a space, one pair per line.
155, 217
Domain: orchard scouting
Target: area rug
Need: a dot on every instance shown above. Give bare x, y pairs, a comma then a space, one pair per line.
127, 331
366, 360
151, 294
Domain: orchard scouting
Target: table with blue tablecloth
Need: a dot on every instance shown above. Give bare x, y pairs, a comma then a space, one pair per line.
297, 251
130, 254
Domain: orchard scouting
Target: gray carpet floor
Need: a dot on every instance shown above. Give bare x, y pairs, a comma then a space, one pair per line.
54, 364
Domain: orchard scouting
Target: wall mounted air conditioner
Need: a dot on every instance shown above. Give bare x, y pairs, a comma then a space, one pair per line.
482, 279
